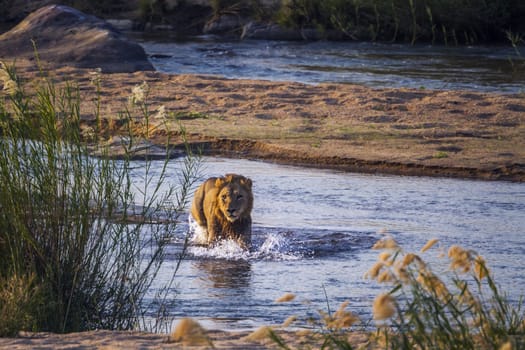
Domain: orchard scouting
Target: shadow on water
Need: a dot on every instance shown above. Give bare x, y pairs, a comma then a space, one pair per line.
225, 274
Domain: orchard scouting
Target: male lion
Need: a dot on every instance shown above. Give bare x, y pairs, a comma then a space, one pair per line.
222, 208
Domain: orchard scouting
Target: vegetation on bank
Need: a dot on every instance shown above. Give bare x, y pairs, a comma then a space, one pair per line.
81, 244
81, 237
459, 307
449, 22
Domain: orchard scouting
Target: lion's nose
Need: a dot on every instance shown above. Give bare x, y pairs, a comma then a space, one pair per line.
231, 211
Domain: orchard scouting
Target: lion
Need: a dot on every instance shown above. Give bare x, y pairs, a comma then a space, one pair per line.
222, 208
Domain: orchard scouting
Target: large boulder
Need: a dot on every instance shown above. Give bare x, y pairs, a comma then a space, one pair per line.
65, 36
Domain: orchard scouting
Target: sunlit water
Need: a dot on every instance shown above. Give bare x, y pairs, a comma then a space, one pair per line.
313, 230
479, 68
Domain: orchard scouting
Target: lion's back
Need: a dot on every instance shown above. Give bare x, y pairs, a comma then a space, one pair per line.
205, 197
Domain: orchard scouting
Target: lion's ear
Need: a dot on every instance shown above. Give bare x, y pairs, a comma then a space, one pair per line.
246, 182
219, 182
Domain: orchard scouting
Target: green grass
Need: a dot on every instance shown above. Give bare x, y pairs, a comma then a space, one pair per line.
184, 115
440, 155
72, 260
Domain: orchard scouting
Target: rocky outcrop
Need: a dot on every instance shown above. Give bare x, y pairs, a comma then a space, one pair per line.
225, 24
65, 36
233, 25
273, 31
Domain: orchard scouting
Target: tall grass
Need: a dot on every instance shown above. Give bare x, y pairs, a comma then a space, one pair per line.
72, 258
461, 22
461, 307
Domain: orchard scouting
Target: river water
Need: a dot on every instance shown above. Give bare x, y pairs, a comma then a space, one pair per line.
478, 68
313, 233
313, 229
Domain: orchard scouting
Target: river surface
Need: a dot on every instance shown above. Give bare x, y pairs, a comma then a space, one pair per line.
314, 229
478, 68
313, 233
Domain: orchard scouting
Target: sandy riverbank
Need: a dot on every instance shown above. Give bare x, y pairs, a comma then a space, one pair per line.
102, 339
347, 127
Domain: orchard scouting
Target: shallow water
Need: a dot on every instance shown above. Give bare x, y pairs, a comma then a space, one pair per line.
313, 230
480, 68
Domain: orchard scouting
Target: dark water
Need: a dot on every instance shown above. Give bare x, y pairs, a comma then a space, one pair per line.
313, 230
494, 69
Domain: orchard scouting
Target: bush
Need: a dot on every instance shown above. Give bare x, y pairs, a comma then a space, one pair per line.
440, 21
72, 259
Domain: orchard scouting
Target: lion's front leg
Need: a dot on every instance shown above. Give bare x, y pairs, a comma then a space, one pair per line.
214, 231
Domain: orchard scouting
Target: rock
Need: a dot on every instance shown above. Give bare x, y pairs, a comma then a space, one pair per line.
65, 36
223, 24
269, 31
140, 149
273, 31
121, 24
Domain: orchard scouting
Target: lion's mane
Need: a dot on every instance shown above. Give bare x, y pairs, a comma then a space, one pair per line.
222, 208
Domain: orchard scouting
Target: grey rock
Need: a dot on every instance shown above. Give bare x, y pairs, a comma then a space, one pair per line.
273, 31
65, 36
223, 24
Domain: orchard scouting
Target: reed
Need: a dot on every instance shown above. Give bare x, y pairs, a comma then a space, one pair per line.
466, 22
459, 308
72, 258
432, 25
412, 8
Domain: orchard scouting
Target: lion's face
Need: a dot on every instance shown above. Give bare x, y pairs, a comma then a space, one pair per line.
235, 198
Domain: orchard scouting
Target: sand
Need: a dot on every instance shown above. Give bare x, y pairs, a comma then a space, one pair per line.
106, 340
347, 127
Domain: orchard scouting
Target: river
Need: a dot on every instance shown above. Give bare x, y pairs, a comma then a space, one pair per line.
313, 233
314, 229
477, 68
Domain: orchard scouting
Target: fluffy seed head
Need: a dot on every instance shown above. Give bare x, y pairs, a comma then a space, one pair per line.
386, 243
285, 297
189, 332
384, 307
429, 244
260, 334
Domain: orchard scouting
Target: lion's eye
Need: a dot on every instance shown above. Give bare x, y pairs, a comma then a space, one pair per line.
223, 197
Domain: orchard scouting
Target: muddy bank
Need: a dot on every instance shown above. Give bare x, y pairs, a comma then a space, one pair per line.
267, 152
339, 126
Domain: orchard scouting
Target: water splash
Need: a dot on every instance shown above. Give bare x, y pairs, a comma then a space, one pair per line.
198, 234
226, 249
274, 246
